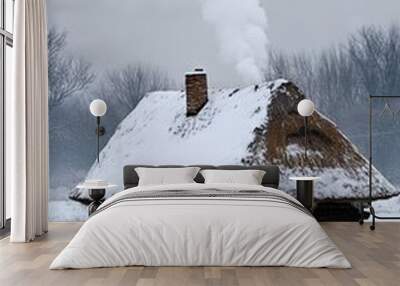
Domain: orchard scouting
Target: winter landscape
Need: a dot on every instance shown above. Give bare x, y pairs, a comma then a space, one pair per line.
146, 121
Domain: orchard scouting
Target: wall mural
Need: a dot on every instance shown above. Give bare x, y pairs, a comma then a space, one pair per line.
139, 57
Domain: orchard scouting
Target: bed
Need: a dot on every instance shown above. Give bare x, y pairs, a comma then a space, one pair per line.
198, 224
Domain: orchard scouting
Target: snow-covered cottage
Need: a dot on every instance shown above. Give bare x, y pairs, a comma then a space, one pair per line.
252, 125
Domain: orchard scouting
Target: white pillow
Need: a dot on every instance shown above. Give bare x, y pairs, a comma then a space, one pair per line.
248, 177
165, 176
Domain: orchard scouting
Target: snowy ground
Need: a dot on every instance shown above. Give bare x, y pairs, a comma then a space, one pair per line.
390, 207
61, 208
67, 210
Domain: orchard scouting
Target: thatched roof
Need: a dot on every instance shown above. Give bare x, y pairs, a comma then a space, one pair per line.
331, 155
239, 126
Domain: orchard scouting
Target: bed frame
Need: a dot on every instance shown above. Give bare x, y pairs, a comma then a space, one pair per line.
270, 179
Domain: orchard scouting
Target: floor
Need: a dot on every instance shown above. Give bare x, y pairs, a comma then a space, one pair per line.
4, 232
375, 257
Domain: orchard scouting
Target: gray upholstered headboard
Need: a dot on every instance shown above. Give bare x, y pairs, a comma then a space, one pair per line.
271, 177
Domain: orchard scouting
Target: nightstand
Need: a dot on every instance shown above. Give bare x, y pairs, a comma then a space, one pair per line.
97, 191
305, 190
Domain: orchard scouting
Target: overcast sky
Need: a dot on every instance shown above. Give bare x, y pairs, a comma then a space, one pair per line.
172, 35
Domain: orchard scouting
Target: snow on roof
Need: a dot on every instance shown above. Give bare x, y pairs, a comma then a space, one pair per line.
159, 132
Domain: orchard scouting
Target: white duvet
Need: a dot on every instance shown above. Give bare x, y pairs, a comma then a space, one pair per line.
200, 231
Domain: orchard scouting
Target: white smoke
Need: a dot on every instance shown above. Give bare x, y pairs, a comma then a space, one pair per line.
241, 31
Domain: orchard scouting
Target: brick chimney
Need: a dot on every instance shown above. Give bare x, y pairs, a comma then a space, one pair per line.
196, 91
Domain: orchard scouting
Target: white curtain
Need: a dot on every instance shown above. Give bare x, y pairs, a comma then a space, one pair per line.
27, 123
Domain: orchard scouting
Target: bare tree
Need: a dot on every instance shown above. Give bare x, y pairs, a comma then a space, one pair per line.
126, 87
67, 75
298, 68
278, 67
376, 54
342, 76
336, 85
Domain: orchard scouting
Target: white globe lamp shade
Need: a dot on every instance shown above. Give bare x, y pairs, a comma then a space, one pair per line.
98, 107
305, 107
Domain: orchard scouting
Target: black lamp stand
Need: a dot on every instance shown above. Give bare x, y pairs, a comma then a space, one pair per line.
305, 136
100, 131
